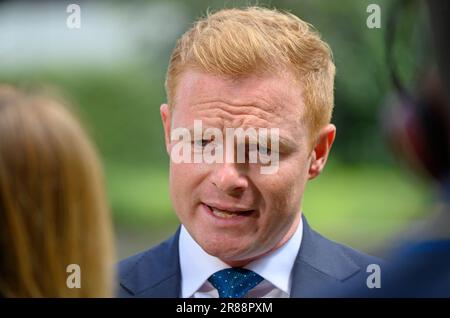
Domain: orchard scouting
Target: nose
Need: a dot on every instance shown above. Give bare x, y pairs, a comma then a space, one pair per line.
229, 179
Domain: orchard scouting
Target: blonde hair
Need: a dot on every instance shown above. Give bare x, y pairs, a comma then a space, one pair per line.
239, 42
53, 209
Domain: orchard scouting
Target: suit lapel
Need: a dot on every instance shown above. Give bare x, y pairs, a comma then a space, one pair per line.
320, 265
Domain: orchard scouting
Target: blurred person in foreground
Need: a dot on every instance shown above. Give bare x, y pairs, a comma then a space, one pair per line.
419, 127
53, 209
243, 233
417, 124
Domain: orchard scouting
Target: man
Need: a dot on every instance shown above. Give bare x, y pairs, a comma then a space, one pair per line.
243, 233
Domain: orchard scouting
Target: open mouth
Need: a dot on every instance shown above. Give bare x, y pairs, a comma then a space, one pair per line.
227, 214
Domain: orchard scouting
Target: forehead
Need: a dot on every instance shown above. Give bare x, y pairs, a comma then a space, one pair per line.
269, 97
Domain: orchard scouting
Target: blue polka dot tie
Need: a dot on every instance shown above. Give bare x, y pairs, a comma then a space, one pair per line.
234, 282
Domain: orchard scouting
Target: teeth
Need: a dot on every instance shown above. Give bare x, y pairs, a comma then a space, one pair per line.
223, 214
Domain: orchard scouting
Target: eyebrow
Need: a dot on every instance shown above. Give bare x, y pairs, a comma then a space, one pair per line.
285, 143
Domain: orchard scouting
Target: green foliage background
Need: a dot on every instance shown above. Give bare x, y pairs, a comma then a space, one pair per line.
363, 198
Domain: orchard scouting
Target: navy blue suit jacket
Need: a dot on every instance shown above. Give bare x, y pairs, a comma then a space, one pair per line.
320, 265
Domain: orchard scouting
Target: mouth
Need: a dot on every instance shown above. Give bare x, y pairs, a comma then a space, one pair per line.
229, 213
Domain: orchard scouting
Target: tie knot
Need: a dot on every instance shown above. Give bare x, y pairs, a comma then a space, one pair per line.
234, 282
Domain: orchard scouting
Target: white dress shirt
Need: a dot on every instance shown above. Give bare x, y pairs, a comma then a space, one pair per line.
276, 267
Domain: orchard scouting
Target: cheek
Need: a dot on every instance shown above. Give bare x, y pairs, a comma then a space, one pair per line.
185, 181
282, 192
178, 188
179, 171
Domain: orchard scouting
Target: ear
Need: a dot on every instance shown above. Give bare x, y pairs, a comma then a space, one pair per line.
166, 121
321, 150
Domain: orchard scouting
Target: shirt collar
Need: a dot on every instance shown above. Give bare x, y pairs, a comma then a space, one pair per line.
197, 265
276, 267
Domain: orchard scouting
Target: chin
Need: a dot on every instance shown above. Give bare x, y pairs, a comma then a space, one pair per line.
228, 251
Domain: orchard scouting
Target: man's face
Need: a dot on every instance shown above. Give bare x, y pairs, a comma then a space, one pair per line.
265, 207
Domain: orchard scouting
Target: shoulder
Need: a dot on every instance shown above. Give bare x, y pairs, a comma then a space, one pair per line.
339, 255
327, 266
359, 258
143, 259
143, 271
319, 249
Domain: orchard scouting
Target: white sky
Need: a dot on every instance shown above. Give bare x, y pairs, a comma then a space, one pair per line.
35, 35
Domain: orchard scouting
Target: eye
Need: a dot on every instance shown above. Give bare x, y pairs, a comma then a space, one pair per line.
201, 142
264, 150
